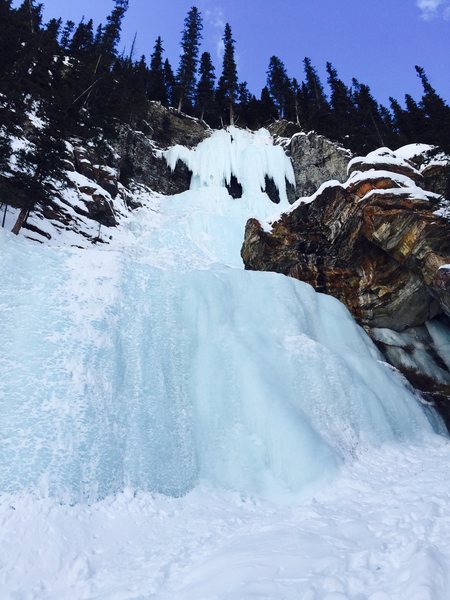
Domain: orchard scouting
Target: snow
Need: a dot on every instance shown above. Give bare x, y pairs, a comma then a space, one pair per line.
383, 156
174, 426
379, 531
414, 150
412, 191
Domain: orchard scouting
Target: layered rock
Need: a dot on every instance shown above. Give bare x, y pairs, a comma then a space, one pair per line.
378, 243
315, 158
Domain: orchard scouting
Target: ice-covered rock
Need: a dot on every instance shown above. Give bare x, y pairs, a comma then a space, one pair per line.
379, 242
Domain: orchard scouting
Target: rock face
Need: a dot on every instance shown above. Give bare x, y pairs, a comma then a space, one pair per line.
315, 158
141, 152
379, 244
376, 243
433, 164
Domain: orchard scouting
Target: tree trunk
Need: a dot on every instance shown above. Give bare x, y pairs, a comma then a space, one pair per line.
180, 103
377, 131
231, 115
21, 220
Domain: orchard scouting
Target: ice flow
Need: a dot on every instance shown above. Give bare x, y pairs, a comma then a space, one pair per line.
158, 362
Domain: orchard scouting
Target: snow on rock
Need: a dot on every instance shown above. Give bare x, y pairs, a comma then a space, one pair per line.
382, 156
412, 151
248, 156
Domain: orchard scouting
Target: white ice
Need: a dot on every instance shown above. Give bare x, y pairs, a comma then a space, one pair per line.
249, 156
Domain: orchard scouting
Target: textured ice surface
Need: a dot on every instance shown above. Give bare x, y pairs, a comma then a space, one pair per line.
249, 156
159, 362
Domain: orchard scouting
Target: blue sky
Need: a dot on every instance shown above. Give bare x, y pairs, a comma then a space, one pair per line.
377, 41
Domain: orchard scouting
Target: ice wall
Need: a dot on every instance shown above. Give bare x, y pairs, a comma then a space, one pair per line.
158, 362
249, 156
117, 373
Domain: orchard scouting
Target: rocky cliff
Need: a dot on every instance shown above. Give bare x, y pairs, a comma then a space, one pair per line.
380, 243
315, 158
106, 179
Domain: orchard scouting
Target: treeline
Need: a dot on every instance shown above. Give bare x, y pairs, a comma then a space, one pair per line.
82, 84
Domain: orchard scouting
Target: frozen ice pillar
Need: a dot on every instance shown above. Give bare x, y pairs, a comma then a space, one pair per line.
250, 157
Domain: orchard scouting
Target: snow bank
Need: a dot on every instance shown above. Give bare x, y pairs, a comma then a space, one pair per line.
249, 156
381, 531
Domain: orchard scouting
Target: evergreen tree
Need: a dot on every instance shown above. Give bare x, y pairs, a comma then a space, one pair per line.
368, 122
10, 40
293, 102
205, 90
267, 109
278, 84
316, 110
82, 42
169, 82
190, 45
5, 152
67, 34
342, 107
417, 121
437, 113
111, 33
38, 166
244, 104
228, 82
157, 84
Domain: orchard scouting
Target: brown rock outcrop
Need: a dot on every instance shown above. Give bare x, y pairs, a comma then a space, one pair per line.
375, 243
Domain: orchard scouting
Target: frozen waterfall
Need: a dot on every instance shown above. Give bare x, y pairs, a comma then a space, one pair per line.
158, 362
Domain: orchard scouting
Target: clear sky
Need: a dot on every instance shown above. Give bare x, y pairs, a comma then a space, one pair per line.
377, 41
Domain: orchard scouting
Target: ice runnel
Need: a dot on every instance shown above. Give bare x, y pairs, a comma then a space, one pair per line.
152, 365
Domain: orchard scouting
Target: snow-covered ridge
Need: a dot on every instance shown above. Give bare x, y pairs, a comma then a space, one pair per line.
248, 156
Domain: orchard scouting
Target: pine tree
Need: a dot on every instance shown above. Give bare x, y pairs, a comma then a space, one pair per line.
111, 32
315, 105
437, 113
10, 40
67, 34
244, 104
267, 109
293, 102
204, 100
157, 84
228, 82
278, 84
190, 45
342, 107
37, 167
368, 122
5, 152
169, 82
